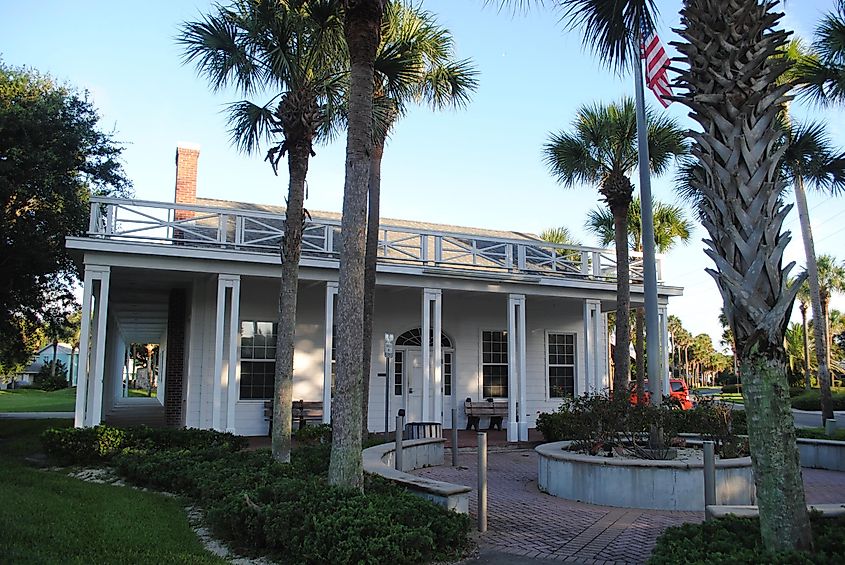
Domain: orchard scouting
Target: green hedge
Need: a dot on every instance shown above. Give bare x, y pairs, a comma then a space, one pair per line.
100, 443
811, 400
819, 433
732, 389
734, 540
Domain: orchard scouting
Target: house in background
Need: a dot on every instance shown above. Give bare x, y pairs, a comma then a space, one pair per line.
65, 353
476, 313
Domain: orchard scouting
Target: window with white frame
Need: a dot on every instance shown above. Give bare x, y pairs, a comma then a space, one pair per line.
494, 364
447, 374
398, 364
561, 364
258, 360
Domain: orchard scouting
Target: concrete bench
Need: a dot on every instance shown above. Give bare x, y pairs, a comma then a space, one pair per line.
416, 454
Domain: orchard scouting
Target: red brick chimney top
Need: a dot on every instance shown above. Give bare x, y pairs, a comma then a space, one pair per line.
187, 156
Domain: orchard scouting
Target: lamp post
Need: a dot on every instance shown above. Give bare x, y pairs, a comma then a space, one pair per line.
389, 351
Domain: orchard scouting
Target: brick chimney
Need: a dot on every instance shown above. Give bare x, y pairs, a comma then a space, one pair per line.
187, 155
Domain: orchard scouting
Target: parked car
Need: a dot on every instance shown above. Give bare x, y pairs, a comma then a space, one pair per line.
679, 392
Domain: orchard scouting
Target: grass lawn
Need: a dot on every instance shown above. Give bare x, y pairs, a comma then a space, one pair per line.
139, 393
732, 397
32, 400
49, 517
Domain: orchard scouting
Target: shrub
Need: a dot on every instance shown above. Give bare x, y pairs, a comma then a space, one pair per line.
45, 380
321, 433
717, 422
732, 389
819, 433
811, 400
737, 540
101, 443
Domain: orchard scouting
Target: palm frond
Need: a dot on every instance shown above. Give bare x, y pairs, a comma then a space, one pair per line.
810, 155
250, 124
600, 223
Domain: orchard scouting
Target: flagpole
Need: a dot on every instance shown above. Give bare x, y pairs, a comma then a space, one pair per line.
653, 358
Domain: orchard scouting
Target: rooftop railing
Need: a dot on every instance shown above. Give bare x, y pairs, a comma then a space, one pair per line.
237, 230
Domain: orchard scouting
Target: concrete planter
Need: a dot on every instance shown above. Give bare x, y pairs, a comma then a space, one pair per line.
822, 454
639, 483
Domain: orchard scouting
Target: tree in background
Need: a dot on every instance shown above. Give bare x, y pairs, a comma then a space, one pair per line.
294, 51
803, 305
822, 74
831, 281
59, 327
670, 227
415, 63
53, 157
601, 151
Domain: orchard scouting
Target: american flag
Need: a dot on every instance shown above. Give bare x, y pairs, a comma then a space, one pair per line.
656, 64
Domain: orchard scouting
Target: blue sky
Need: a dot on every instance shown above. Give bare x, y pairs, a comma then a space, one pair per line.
478, 167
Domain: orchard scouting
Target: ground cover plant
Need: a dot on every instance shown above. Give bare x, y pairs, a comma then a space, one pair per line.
819, 433
288, 511
735, 540
49, 517
811, 399
34, 400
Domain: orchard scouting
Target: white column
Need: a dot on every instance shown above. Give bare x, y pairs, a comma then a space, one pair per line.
233, 377
516, 366
434, 298
102, 311
663, 325
594, 357
425, 342
216, 409
331, 293
523, 373
84, 338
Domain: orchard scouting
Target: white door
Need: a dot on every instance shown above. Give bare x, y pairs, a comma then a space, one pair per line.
413, 386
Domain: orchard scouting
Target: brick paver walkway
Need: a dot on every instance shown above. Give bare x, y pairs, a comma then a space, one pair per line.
522, 521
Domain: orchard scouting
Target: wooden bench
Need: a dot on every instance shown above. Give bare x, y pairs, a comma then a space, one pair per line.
495, 410
302, 412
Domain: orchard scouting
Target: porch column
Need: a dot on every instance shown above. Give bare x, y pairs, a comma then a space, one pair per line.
432, 365
663, 326
516, 369
233, 375
224, 359
331, 293
593, 355
95, 292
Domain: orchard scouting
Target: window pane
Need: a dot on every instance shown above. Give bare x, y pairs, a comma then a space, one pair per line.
561, 363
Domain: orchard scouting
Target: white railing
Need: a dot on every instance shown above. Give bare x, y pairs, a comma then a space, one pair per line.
166, 223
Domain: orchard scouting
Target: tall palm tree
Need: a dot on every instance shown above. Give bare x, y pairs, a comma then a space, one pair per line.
415, 63
670, 226
601, 150
831, 281
793, 342
294, 50
809, 159
821, 75
730, 82
362, 29
803, 306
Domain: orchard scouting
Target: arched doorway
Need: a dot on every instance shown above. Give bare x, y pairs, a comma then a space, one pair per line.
408, 375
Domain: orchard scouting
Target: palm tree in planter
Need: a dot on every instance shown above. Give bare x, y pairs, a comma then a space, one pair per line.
730, 77
295, 51
670, 226
601, 150
414, 63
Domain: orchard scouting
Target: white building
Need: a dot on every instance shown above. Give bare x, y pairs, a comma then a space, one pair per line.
519, 319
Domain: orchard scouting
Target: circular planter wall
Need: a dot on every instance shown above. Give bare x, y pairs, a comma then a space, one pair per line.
640, 483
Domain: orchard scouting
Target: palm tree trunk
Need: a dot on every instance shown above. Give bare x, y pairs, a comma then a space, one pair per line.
291, 249
370, 262
622, 355
806, 339
820, 331
639, 346
362, 28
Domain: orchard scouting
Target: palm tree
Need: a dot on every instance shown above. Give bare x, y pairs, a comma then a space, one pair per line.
294, 50
415, 63
821, 75
601, 151
362, 29
831, 281
793, 342
730, 82
670, 226
803, 304
809, 158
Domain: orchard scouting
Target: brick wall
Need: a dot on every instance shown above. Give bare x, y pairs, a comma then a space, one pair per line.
187, 157
175, 368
